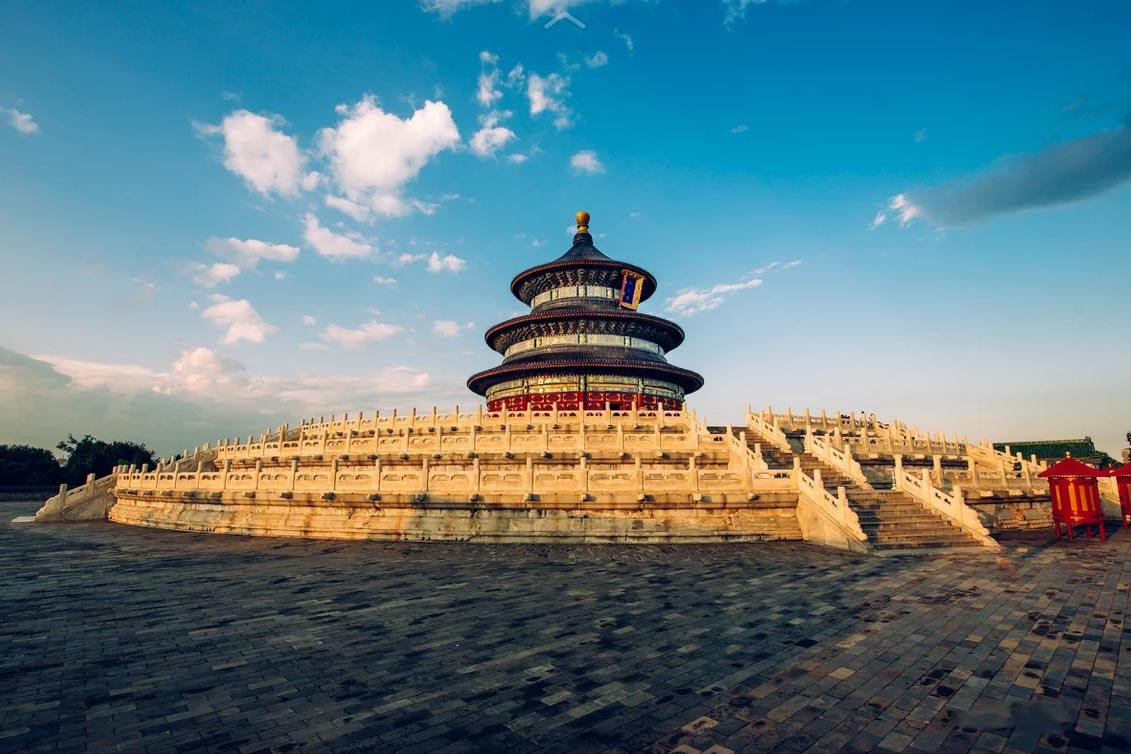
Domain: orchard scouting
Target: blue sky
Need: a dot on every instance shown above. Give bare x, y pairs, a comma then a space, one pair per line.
919, 209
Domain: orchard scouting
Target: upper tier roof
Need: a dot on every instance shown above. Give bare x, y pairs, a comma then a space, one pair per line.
582, 264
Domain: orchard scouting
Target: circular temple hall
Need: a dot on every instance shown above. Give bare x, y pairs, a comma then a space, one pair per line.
584, 345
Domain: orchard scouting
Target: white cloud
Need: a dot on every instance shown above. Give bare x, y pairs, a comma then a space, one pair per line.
487, 92
334, 245
254, 149
899, 208
368, 332
114, 377
741, 128
691, 301
920, 135
280, 275
446, 328
547, 94
446, 263
313, 180
309, 321
904, 209
491, 137
22, 122
358, 212
735, 10
246, 253
202, 370
373, 153
628, 43
597, 59
240, 319
1063, 173
389, 282
199, 397
407, 258
445, 8
211, 275
586, 162
517, 159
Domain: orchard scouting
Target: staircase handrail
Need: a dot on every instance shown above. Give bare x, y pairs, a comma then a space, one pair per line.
66, 496
993, 458
834, 508
770, 432
841, 460
953, 506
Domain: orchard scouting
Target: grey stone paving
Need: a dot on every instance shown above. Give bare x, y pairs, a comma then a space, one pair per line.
119, 638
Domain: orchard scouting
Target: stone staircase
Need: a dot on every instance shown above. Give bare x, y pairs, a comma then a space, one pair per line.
894, 521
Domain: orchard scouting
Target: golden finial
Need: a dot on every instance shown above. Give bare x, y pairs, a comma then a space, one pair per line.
582, 222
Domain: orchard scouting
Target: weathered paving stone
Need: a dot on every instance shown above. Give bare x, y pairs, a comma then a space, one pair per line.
116, 638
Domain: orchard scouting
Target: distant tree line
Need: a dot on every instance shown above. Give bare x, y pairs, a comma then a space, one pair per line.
27, 466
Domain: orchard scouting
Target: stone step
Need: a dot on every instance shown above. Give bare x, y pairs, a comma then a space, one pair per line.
898, 535
922, 545
922, 536
909, 521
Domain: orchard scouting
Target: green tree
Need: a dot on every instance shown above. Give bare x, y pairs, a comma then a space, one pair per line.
23, 465
91, 454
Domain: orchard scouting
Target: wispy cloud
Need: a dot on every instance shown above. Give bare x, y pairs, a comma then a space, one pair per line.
355, 338
1062, 174
211, 275
597, 59
692, 301
735, 10
334, 245
22, 122
199, 396
548, 94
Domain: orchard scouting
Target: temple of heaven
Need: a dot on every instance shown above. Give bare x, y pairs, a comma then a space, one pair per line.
584, 346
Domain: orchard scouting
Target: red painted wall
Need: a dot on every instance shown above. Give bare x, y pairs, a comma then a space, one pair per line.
588, 401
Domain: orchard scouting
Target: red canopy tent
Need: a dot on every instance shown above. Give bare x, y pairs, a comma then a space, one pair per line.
1075, 496
1122, 476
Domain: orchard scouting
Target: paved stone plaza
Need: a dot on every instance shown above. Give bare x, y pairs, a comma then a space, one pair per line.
121, 638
